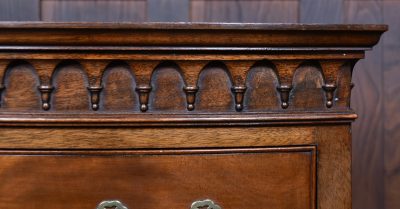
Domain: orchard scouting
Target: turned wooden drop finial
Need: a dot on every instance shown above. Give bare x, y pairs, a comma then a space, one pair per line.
143, 91
190, 96
95, 96
329, 92
45, 92
284, 91
239, 91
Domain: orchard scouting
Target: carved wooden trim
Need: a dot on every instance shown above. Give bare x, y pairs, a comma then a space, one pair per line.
284, 91
126, 35
239, 91
191, 49
329, 89
45, 93
95, 96
190, 96
143, 91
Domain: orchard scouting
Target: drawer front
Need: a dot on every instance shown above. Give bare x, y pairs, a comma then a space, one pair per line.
256, 178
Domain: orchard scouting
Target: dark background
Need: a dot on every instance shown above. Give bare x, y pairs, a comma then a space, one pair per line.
376, 134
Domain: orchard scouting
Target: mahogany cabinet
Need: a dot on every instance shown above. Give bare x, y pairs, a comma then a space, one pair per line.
147, 116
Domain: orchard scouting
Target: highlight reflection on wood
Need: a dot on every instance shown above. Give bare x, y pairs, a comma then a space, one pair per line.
177, 115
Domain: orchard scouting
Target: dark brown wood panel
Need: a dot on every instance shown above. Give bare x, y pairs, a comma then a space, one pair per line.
93, 10
391, 75
167, 89
334, 156
261, 82
123, 138
19, 10
244, 11
118, 91
215, 84
367, 101
307, 81
70, 88
368, 149
21, 79
280, 178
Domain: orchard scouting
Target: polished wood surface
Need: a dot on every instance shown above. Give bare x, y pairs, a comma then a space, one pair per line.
179, 73
277, 178
257, 96
375, 79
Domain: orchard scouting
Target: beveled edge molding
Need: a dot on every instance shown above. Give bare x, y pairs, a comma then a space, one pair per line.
156, 151
311, 148
189, 34
211, 119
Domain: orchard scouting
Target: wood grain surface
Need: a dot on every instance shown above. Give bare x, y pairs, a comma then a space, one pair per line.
23, 80
334, 155
375, 138
125, 138
280, 178
367, 100
118, 89
391, 74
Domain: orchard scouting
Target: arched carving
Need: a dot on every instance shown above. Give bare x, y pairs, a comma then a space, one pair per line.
236, 76
20, 87
167, 84
70, 81
262, 82
215, 85
308, 82
118, 82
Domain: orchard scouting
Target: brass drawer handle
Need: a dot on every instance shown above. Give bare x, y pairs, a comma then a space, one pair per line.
195, 205
204, 203
111, 204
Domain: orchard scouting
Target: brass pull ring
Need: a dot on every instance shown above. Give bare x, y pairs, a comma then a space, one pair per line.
111, 203
205, 203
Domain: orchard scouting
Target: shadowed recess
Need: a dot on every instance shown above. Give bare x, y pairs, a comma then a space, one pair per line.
215, 89
261, 93
118, 92
70, 83
167, 88
342, 96
307, 90
21, 88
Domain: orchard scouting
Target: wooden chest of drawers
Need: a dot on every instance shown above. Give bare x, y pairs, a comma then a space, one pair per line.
148, 116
